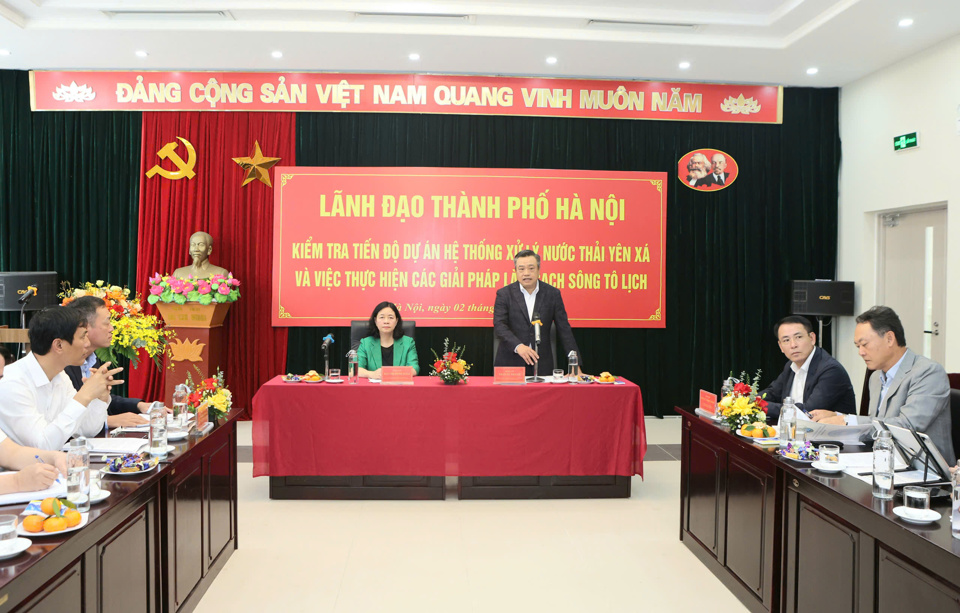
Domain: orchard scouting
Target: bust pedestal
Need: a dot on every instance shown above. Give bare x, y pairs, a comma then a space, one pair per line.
198, 345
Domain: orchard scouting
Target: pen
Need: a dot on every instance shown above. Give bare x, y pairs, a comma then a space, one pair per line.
39, 460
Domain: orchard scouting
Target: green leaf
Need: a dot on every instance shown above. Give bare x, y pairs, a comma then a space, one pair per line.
220, 298
154, 299
167, 295
195, 295
205, 299
179, 299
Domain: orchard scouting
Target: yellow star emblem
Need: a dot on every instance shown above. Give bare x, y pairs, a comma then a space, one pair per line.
256, 166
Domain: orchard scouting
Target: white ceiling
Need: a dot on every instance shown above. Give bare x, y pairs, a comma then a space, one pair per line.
744, 41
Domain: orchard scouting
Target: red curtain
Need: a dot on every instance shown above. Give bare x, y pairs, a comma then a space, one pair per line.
240, 219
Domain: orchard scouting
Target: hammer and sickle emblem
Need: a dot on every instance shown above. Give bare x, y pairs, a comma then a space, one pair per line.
185, 169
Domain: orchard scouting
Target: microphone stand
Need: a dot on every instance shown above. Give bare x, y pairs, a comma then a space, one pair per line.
23, 323
536, 378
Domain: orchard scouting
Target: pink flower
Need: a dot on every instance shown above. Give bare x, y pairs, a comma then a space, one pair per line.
156, 290
204, 288
156, 278
234, 282
224, 288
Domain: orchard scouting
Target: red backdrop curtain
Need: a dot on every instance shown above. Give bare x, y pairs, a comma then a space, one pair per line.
240, 219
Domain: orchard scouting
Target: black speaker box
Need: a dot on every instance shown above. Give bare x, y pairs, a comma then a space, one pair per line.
822, 298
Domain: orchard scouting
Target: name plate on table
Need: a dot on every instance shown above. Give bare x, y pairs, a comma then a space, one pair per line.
396, 375
509, 375
708, 401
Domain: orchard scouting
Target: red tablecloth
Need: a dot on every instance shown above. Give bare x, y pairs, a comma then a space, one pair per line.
431, 429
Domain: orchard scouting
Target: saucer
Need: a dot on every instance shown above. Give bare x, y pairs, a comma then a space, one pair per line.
100, 496
916, 516
177, 436
334, 381
18, 546
832, 468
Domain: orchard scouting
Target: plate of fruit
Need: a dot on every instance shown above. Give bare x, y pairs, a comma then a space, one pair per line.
606, 378
53, 517
799, 451
290, 378
759, 432
130, 465
312, 377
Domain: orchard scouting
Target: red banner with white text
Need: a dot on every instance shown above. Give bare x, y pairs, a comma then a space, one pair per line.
439, 242
403, 93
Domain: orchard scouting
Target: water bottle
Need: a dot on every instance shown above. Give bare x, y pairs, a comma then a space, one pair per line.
787, 427
573, 366
353, 368
883, 466
955, 504
180, 395
158, 430
78, 474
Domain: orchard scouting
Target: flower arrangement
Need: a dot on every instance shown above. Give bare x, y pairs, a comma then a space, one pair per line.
218, 288
743, 406
212, 391
133, 330
451, 368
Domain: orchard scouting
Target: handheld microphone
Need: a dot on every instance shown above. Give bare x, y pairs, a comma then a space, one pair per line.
27, 295
327, 341
536, 327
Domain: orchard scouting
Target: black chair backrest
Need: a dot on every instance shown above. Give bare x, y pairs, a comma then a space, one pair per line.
865, 394
955, 421
358, 330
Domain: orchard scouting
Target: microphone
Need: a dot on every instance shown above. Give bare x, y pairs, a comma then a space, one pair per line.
27, 295
536, 327
327, 341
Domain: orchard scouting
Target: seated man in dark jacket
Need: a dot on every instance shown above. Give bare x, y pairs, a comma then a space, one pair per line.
121, 412
813, 378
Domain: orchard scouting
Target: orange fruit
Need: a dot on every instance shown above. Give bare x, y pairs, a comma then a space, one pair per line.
33, 523
54, 524
48, 505
72, 516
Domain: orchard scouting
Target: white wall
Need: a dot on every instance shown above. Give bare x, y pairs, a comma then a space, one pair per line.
921, 93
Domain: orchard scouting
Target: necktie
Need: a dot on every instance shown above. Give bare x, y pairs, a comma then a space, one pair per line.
719, 179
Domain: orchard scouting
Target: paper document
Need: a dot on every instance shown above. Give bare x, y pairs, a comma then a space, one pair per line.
57, 490
832, 432
904, 478
115, 445
863, 461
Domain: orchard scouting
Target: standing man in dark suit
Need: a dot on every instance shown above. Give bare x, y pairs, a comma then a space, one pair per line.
905, 388
515, 309
121, 412
813, 378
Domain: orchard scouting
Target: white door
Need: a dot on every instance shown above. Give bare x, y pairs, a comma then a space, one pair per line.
913, 251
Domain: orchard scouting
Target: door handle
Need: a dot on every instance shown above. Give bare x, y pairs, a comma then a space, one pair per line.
933, 332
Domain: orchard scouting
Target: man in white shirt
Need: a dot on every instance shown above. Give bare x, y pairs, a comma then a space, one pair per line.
812, 377
38, 405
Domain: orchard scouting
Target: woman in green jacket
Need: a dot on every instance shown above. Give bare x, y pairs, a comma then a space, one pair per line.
386, 343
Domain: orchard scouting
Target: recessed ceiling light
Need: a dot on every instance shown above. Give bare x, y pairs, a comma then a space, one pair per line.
906, 22
813, 70
277, 54
4, 52
141, 53
414, 57
551, 60
684, 65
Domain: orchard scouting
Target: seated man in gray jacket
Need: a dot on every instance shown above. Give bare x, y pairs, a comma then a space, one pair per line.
905, 386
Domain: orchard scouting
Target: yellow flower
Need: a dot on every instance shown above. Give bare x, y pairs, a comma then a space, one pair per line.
742, 402
727, 400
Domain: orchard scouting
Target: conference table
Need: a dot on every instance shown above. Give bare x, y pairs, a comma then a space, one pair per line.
375, 441
154, 545
785, 537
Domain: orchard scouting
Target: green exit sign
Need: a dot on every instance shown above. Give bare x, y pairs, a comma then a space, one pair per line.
907, 141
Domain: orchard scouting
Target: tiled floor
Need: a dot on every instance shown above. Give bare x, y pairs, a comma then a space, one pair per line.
473, 556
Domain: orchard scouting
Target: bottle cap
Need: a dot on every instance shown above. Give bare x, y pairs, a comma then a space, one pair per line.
884, 434
788, 400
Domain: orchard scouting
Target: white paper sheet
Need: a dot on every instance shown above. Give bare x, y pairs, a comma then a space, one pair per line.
57, 490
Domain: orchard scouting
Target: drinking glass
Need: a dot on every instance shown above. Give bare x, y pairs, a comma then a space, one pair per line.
78, 474
558, 374
916, 499
334, 374
830, 455
8, 531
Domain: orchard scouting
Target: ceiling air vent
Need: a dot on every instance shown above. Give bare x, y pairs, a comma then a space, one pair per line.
155, 16
643, 26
